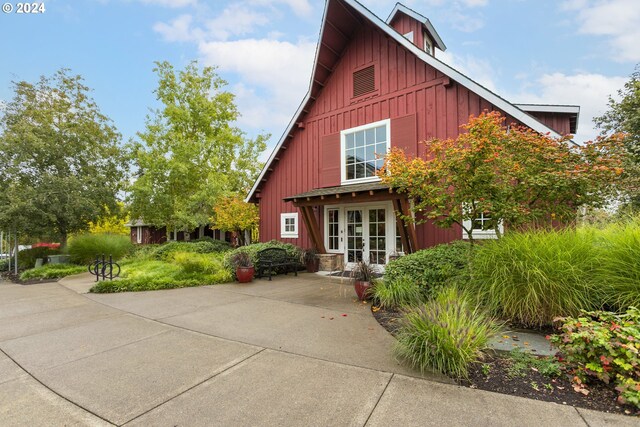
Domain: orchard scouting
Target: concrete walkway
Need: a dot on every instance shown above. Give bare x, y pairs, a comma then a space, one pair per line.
289, 352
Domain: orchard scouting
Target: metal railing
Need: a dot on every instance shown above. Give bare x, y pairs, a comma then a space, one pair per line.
107, 269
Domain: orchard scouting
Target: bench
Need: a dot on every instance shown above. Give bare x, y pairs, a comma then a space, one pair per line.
275, 260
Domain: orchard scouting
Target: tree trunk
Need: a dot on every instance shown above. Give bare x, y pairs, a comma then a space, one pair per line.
63, 240
240, 237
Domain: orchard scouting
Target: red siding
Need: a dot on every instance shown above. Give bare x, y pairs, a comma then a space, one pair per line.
559, 122
407, 88
403, 134
405, 24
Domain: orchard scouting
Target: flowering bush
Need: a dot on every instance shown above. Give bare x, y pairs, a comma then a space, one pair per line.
605, 346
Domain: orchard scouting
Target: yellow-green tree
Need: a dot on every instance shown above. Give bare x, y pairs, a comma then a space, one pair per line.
234, 214
111, 223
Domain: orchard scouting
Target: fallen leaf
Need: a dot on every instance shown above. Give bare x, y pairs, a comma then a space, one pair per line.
505, 336
344, 315
322, 317
526, 343
330, 318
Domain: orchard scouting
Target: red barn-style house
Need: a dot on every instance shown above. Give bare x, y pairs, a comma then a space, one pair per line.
375, 85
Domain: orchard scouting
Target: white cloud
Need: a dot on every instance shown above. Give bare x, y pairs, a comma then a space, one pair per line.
478, 69
299, 7
171, 3
619, 20
178, 30
590, 91
275, 75
237, 19
475, 3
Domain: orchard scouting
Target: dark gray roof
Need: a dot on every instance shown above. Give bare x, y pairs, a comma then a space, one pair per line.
341, 189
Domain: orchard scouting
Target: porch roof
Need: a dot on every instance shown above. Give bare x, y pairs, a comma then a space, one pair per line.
327, 192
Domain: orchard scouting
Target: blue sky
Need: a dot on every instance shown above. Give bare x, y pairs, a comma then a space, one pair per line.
545, 51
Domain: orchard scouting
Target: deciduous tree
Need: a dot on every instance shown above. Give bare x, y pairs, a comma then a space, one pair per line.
234, 214
190, 153
516, 174
623, 116
61, 165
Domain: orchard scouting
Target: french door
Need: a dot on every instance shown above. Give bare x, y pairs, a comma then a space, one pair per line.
361, 233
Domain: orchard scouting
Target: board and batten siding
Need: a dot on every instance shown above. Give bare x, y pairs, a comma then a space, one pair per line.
421, 102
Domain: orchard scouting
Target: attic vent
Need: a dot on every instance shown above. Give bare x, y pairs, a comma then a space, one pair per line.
364, 81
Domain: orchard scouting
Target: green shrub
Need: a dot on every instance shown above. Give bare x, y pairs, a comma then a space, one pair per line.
604, 346
431, 268
52, 271
532, 277
184, 270
4, 264
27, 257
446, 334
198, 263
619, 265
253, 249
166, 250
401, 292
84, 248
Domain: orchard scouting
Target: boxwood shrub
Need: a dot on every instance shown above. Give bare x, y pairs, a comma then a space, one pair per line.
431, 268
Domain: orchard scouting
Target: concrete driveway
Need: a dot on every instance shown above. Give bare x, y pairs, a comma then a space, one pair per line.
295, 351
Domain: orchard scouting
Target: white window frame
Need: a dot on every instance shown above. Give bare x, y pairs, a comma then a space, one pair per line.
343, 157
289, 234
428, 47
139, 234
481, 234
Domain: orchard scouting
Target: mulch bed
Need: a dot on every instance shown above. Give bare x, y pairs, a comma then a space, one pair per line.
493, 374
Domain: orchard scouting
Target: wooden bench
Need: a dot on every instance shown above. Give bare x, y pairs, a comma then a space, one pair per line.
275, 260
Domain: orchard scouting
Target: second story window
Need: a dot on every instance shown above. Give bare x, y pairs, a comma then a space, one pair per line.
363, 151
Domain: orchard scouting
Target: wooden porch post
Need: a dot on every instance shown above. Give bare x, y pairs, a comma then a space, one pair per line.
411, 227
397, 208
314, 229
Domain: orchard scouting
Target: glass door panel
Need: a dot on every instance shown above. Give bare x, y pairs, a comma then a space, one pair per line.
355, 235
377, 236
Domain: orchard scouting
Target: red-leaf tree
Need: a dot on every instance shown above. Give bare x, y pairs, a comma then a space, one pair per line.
516, 174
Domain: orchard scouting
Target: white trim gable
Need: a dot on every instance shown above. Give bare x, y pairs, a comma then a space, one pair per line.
418, 17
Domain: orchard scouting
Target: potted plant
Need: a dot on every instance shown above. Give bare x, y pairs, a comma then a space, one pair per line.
311, 260
362, 276
243, 265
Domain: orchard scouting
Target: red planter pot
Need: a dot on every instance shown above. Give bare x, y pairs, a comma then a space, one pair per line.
245, 274
313, 266
362, 289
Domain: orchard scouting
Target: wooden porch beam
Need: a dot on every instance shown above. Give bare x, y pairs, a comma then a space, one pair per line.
319, 201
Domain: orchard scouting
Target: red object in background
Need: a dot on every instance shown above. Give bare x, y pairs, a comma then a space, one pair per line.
46, 245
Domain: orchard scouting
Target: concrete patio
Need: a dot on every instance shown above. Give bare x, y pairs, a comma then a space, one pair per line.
295, 351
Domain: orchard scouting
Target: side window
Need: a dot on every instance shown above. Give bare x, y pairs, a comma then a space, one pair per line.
289, 225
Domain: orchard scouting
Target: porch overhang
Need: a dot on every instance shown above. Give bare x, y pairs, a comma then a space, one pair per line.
355, 193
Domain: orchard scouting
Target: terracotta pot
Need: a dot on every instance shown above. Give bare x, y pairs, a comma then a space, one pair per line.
245, 274
362, 289
313, 266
